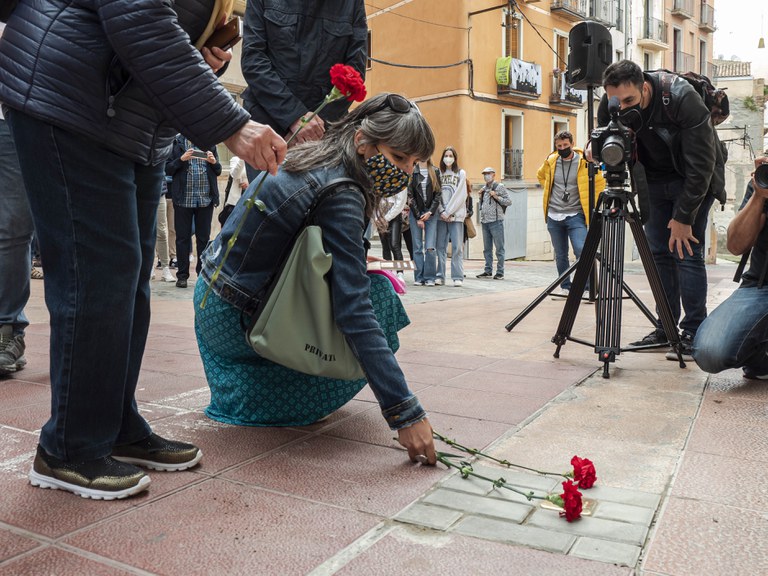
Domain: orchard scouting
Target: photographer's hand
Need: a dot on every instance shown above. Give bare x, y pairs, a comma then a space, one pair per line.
680, 235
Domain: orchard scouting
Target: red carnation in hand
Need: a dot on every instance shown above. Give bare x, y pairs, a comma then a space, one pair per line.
583, 472
348, 82
571, 501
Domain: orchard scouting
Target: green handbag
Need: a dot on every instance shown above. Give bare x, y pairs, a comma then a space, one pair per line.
294, 325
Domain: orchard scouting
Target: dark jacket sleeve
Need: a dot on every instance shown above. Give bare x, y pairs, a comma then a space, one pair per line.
696, 153
175, 78
436, 194
342, 221
273, 94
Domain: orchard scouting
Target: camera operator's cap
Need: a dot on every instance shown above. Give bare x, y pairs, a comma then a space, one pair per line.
489, 169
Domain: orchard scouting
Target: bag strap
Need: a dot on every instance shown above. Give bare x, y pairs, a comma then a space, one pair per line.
253, 307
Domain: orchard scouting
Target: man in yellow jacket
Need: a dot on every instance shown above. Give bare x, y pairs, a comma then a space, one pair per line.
564, 176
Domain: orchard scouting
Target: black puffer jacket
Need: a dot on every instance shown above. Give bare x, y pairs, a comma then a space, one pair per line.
122, 72
684, 126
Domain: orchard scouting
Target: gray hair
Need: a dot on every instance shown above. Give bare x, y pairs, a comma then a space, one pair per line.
408, 133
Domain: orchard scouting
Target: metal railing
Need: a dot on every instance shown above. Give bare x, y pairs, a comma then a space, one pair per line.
604, 11
709, 70
655, 29
683, 8
684, 62
561, 92
575, 6
707, 19
513, 163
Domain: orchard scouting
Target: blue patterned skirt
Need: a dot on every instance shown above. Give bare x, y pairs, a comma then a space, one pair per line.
249, 390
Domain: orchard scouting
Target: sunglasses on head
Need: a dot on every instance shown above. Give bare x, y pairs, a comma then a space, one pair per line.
394, 102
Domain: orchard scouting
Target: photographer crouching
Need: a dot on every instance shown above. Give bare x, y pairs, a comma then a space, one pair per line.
735, 335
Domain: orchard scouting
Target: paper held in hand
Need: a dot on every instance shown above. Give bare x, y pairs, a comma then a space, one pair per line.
391, 265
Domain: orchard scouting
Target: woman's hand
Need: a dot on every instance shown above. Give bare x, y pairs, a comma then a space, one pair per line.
417, 439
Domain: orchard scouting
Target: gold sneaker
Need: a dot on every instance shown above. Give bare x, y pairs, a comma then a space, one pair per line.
101, 479
158, 453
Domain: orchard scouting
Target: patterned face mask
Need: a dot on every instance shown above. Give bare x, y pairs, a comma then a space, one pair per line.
388, 179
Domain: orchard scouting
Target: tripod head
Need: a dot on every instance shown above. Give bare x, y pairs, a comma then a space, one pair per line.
613, 146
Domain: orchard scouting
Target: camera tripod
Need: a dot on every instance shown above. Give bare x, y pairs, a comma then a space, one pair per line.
614, 208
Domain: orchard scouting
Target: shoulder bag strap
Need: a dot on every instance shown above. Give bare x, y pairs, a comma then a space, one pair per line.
254, 305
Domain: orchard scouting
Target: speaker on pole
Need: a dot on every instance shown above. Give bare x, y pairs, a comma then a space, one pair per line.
591, 51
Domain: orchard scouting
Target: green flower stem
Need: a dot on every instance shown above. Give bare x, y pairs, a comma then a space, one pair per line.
252, 200
465, 468
507, 463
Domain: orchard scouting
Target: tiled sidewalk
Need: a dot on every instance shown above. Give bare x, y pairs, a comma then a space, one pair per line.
340, 497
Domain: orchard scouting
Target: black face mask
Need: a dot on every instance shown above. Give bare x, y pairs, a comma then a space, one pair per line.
632, 117
564, 153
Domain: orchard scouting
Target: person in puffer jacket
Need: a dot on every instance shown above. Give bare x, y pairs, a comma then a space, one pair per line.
94, 92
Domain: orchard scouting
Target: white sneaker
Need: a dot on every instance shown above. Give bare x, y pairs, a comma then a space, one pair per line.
168, 275
457, 283
430, 283
418, 283
564, 291
439, 282
401, 276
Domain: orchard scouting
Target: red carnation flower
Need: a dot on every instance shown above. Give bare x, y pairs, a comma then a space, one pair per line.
571, 501
347, 80
583, 472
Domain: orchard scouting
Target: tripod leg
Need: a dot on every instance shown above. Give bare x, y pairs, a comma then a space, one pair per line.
583, 268
609, 304
527, 310
652, 273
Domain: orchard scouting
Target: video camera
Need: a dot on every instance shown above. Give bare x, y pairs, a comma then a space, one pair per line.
612, 145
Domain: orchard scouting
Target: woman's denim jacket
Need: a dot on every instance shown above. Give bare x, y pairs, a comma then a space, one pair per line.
261, 247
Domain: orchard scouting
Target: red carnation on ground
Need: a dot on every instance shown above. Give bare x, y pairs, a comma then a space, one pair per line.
348, 82
571, 501
583, 472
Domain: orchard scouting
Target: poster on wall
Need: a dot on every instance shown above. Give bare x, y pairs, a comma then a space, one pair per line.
525, 77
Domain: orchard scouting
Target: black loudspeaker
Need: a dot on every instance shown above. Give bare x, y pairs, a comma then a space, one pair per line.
591, 51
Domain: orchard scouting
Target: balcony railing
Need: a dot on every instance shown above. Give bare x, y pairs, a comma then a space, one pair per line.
709, 70
513, 163
563, 94
569, 9
655, 31
684, 62
524, 79
682, 8
707, 20
604, 11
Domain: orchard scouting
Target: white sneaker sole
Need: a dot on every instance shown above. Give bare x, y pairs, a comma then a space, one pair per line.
40, 481
152, 465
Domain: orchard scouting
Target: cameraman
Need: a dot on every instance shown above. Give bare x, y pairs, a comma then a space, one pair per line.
736, 333
675, 142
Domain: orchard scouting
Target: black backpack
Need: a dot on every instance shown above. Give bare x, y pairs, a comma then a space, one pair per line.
494, 186
715, 99
6, 8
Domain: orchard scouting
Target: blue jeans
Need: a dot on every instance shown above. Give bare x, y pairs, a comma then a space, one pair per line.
735, 334
94, 213
493, 237
455, 232
15, 236
560, 231
424, 255
683, 279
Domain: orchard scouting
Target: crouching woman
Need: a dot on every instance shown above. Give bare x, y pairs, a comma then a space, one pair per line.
377, 146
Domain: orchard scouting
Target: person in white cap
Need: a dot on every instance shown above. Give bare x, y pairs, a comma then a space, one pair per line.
494, 200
